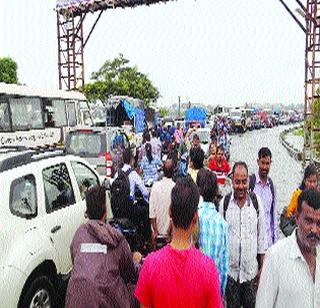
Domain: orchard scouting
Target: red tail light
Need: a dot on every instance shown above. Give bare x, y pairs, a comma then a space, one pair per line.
108, 159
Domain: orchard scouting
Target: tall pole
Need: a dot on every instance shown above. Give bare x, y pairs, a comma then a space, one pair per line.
179, 106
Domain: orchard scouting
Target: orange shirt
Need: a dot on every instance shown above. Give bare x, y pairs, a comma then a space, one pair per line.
293, 205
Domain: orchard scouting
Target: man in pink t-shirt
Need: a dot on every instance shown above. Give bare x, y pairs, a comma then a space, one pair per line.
178, 134
179, 275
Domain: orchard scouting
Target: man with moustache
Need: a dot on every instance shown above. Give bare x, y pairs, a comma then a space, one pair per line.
263, 186
244, 214
291, 271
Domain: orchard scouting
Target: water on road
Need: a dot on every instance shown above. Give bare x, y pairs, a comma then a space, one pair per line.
285, 171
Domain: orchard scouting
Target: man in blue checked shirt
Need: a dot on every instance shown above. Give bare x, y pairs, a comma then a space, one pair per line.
213, 229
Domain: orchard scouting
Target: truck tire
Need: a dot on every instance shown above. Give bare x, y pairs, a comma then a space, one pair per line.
40, 293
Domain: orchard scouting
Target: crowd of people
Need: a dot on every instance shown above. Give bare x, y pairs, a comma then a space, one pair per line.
223, 246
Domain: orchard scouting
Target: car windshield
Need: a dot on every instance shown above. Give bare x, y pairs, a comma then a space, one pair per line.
85, 144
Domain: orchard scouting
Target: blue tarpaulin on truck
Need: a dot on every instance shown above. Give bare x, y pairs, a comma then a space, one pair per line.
139, 120
196, 114
130, 110
126, 111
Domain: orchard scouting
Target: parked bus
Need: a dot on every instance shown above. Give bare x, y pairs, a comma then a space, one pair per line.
32, 118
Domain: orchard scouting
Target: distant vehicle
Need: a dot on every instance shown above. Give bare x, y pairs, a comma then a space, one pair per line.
168, 124
32, 118
256, 122
120, 111
241, 119
249, 114
42, 206
266, 120
181, 122
276, 117
284, 120
196, 117
269, 119
295, 117
97, 145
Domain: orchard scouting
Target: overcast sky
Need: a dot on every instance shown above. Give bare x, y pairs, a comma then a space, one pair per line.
206, 51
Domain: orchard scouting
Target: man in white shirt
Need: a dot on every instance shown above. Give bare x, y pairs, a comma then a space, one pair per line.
247, 239
291, 271
159, 202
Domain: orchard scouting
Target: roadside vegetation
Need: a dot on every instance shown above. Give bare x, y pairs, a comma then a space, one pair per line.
116, 77
298, 132
8, 70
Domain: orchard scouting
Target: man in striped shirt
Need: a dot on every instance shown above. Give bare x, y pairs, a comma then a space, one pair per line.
213, 230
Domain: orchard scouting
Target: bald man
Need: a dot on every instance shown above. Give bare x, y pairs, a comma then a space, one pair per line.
159, 202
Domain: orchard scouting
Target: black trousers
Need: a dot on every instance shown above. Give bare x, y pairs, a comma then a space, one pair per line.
140, 218
241, 294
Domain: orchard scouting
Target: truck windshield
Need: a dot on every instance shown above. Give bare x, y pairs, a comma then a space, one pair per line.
85, 144
236, 114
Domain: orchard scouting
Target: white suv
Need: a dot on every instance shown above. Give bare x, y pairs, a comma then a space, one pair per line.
42, 205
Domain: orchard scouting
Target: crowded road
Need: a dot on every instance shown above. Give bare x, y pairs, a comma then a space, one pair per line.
285, 171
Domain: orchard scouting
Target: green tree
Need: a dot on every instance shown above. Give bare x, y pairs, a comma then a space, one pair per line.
164, 112
8, 70
115, 77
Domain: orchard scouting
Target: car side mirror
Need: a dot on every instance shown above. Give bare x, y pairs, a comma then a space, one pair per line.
106, 183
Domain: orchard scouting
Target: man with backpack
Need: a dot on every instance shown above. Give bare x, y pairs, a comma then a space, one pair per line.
126, 185
135, 180
244, 214
263, 186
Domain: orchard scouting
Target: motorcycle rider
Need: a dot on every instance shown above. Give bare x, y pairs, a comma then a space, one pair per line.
139, 194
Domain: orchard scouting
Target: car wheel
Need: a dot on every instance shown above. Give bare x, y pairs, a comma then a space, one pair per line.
40, 293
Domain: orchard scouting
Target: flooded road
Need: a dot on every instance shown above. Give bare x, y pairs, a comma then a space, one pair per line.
285, 172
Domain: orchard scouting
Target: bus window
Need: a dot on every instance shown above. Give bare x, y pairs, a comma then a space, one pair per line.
32, 118
85, 118
4, 116
26, 113
72, 114
48, 113
59, 113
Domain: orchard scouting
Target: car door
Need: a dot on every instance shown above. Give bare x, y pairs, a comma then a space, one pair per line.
63, 214
87, 178
84, 176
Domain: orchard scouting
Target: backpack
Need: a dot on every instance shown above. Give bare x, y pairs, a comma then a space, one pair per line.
253, 198
120, 195
183, 166
252, 183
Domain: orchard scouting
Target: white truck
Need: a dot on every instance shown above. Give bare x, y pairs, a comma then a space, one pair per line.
241, 119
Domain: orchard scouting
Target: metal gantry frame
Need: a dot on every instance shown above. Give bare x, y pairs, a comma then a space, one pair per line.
312, 81
311, 29
72, 42
71, 45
